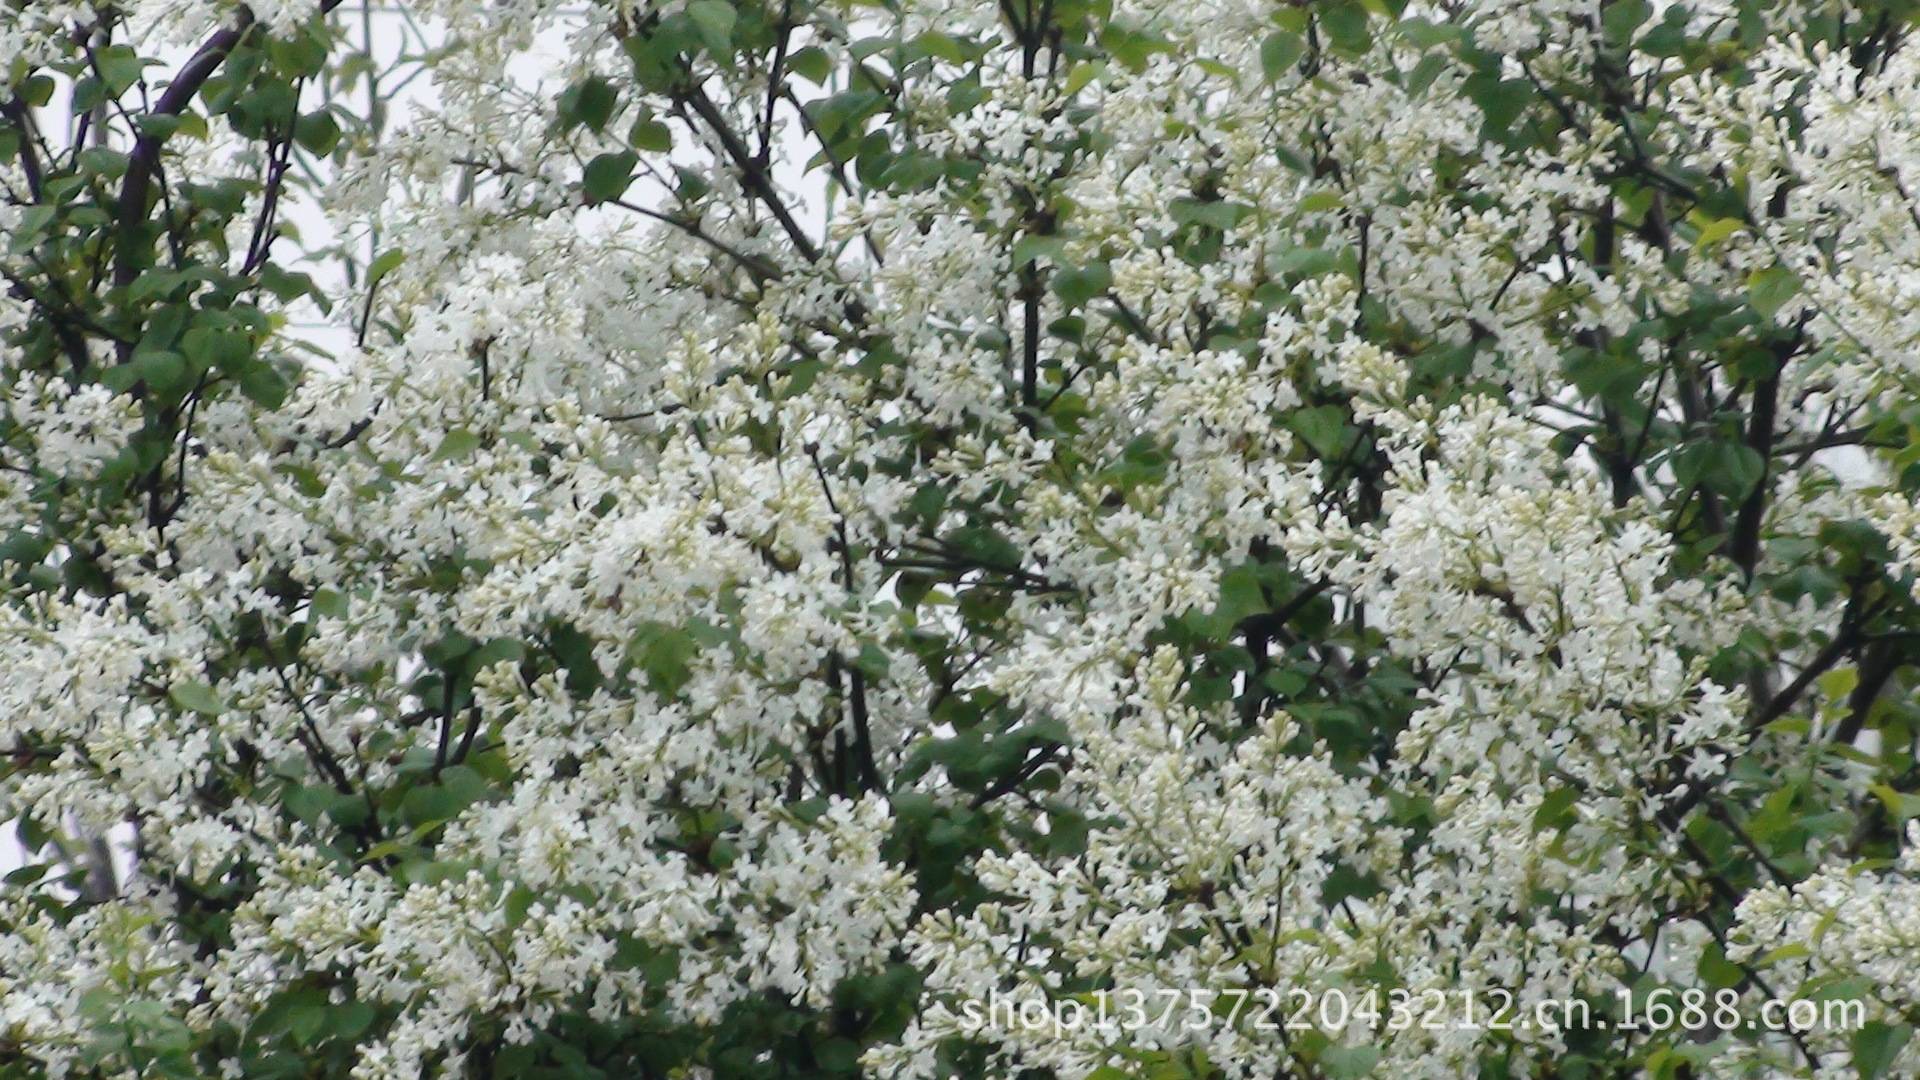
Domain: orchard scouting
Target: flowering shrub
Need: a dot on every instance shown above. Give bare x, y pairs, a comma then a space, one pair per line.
812, 515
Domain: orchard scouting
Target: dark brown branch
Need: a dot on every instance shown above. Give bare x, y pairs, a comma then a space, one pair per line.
1030, 338
1014, 779
1882, 659
857, 680
146, 149
1696, 409
1844, 640
16, 110
467, 737
1743, 547
1266, 623
776, 74
750, 170
144, 159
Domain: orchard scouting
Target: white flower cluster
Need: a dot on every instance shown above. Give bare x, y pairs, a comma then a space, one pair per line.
1847, 927
633, 621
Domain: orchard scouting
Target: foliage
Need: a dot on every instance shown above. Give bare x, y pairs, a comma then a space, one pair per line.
816, 512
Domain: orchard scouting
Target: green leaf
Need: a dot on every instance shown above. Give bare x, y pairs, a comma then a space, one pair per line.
1133, 47
163, 370
665, 653
1901, 806
1075, 285
1774, 816
1876, 1045
1423, 73
811, 64
350, 1020
1556, 810
89, 94
1716, 230
838, 1056
264, 385
1344, 882
459, 787
1730, 468
196, 696
456, 443
985, 546
160, 127
1322, 200
1839, 682
518, 903
608, 176
102, 161
650, 135
31, 228
385, 263
304, 1022
1620, 19
1716, 970
873, 662
1214, 213
589, 103
222, 350
37, 90
574, 651
1031, 248
1348, 1062
493, 652
1768, 290
318, 132
287, 285
873, 157
154, 283
1501, 100
1346, 24
1428, 34
1279, 53
329, 604
1324, 427
715, 20
692, 185
1081, 74
940, 46
911, 170
1241, 594
303, 54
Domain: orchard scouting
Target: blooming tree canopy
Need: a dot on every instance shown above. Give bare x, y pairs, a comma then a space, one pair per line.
811, 515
